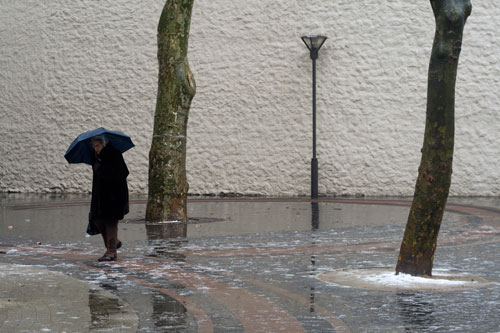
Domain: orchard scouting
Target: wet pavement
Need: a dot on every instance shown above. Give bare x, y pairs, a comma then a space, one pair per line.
240, 264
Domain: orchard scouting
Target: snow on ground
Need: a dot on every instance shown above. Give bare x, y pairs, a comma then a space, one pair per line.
384, 278
406, 280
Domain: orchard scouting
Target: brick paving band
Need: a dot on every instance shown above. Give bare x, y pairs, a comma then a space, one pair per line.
253, 311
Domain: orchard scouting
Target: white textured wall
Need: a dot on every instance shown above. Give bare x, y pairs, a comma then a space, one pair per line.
68, 66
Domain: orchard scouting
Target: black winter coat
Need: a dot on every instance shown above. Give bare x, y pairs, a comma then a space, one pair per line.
109, 185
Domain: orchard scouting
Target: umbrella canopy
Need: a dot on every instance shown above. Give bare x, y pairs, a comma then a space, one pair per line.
80, 150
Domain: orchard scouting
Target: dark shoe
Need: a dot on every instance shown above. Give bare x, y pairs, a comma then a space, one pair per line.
119, 245
107, 258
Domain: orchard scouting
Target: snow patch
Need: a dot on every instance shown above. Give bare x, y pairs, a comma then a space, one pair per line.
406, 280
168, 222
385, 278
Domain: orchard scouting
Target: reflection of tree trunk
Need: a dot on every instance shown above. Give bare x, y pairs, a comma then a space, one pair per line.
168, 314
166, 230
431, 191
104, 310
167, 238
417, 313
168, 185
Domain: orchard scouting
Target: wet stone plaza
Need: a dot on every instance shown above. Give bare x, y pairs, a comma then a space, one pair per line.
243, 265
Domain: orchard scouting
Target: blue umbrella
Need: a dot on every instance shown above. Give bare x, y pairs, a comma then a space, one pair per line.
80, 150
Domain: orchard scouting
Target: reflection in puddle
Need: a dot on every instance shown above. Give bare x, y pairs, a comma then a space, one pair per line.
280, 246
415, 310
312, 269
315, 215
166, 239
102, 310
168, 314
166, 230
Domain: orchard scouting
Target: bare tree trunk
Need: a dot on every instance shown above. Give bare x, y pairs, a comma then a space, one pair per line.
416, 255
168, 185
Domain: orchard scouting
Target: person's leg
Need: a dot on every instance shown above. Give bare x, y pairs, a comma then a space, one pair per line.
101, 225
112, 238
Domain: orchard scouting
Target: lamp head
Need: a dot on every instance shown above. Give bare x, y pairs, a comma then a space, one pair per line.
314, 43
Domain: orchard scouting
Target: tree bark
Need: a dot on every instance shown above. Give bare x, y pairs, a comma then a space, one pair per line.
168, 185
416, 255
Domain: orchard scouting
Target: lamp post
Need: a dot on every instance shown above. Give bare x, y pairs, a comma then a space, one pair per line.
314, 43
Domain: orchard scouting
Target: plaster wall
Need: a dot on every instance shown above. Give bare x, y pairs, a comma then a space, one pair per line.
69, 66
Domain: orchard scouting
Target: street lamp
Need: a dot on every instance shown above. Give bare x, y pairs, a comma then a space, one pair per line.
314, 43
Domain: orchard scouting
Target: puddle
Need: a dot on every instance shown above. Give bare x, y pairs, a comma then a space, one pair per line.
35, 292
245, 265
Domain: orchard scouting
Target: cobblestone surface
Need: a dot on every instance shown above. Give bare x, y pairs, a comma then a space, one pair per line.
250, 265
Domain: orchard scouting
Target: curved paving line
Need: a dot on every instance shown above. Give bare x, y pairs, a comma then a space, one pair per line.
255, 312
458, 208
326, 315
204, 322
335, 323
270, 319
219, 290
473, 235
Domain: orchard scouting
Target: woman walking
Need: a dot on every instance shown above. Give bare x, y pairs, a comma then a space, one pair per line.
109, 201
